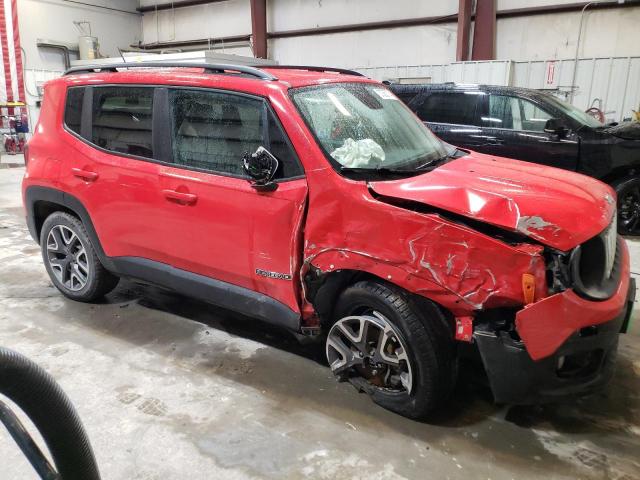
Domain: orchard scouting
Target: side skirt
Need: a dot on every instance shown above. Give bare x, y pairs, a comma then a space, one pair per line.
226, 295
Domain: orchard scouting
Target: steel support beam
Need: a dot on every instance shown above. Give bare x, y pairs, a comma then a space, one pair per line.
484, 31
464, 30
259, 28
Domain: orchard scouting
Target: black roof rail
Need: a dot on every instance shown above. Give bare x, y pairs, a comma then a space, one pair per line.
344, 71
208, 68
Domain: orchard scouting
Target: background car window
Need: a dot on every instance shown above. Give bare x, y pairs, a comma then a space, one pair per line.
213, 131
73, 108
458, 108
121, 119
533, 117
502, 110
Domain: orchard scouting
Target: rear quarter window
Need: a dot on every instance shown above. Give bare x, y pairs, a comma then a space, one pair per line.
73, 108
456, 107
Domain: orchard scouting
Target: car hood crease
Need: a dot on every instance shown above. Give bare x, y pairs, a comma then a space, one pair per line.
537, 201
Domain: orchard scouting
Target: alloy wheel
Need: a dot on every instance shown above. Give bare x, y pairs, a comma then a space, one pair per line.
629, 209
368, 347
67, 258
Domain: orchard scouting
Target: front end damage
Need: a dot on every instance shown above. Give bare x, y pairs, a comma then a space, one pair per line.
498, 245
564, 344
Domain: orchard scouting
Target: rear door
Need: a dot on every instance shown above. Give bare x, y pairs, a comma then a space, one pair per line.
518, 126
109, 166
216, 224
454, 116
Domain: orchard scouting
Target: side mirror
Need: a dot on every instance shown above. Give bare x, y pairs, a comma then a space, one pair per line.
556, 127
261, 166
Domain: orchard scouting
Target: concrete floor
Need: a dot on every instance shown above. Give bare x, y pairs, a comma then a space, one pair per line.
170, 388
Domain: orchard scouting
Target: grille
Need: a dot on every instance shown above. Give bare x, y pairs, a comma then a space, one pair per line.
596, 265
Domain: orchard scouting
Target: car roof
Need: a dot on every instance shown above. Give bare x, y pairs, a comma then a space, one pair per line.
248, 79
463, 87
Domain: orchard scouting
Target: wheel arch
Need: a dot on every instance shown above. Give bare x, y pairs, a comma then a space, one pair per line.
324, 288
40, 202
620, 173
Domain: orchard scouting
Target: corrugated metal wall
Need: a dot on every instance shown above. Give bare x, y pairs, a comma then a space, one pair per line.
612, 83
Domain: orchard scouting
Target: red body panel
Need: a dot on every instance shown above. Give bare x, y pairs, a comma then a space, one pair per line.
545, 325
537, 201
222, 228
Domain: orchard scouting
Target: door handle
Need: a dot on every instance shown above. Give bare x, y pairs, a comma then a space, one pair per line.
84, 174
494, 141
180, 197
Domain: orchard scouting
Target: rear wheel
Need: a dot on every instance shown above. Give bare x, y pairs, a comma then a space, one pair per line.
387, 346
628, 191
71, 261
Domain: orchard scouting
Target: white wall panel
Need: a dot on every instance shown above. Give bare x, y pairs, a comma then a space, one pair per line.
222, 19
53, 19
605, 33
297, 14
430, 44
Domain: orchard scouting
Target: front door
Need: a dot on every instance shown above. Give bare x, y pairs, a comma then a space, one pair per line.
516, 127
216, 224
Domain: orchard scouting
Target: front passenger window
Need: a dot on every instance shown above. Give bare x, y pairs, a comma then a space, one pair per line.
533, 117
212, 131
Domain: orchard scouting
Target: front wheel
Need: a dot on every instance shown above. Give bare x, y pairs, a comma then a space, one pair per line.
400, 353
628, 191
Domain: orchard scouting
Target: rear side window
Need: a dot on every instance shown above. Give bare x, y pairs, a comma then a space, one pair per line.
121, 119
458, 108
406, 97
73, 108
213, 131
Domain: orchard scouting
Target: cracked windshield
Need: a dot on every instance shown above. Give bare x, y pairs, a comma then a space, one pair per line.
365, 126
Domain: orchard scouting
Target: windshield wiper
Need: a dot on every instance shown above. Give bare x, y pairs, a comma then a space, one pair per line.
457, 153
380, 170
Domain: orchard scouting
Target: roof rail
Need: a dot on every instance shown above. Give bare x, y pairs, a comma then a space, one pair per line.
314, 69
208, 68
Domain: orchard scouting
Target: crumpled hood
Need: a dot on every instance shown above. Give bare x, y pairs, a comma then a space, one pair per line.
556, 207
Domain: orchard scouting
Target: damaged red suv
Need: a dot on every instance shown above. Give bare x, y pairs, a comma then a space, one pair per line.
314, 199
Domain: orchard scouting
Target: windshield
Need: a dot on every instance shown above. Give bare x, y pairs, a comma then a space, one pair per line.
366, 126
578, 115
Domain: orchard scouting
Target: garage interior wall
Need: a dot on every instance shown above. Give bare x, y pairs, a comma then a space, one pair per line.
607, 32
115, 23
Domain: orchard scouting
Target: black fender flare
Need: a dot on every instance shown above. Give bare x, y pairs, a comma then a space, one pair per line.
35, 194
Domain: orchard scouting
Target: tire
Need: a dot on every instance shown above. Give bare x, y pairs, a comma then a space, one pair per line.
628, 192
74, 268
425, 333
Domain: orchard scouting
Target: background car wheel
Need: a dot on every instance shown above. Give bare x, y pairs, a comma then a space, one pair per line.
628, 191
71, 261
402, 354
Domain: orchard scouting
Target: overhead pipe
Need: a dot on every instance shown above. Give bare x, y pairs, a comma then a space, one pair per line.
172, 5
572, 93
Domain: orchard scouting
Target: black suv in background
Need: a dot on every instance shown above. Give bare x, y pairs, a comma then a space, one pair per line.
536, 127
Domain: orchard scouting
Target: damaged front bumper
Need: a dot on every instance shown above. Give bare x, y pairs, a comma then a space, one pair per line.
565, 345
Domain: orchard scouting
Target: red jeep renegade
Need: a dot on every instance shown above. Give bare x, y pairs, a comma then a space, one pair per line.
314, 199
